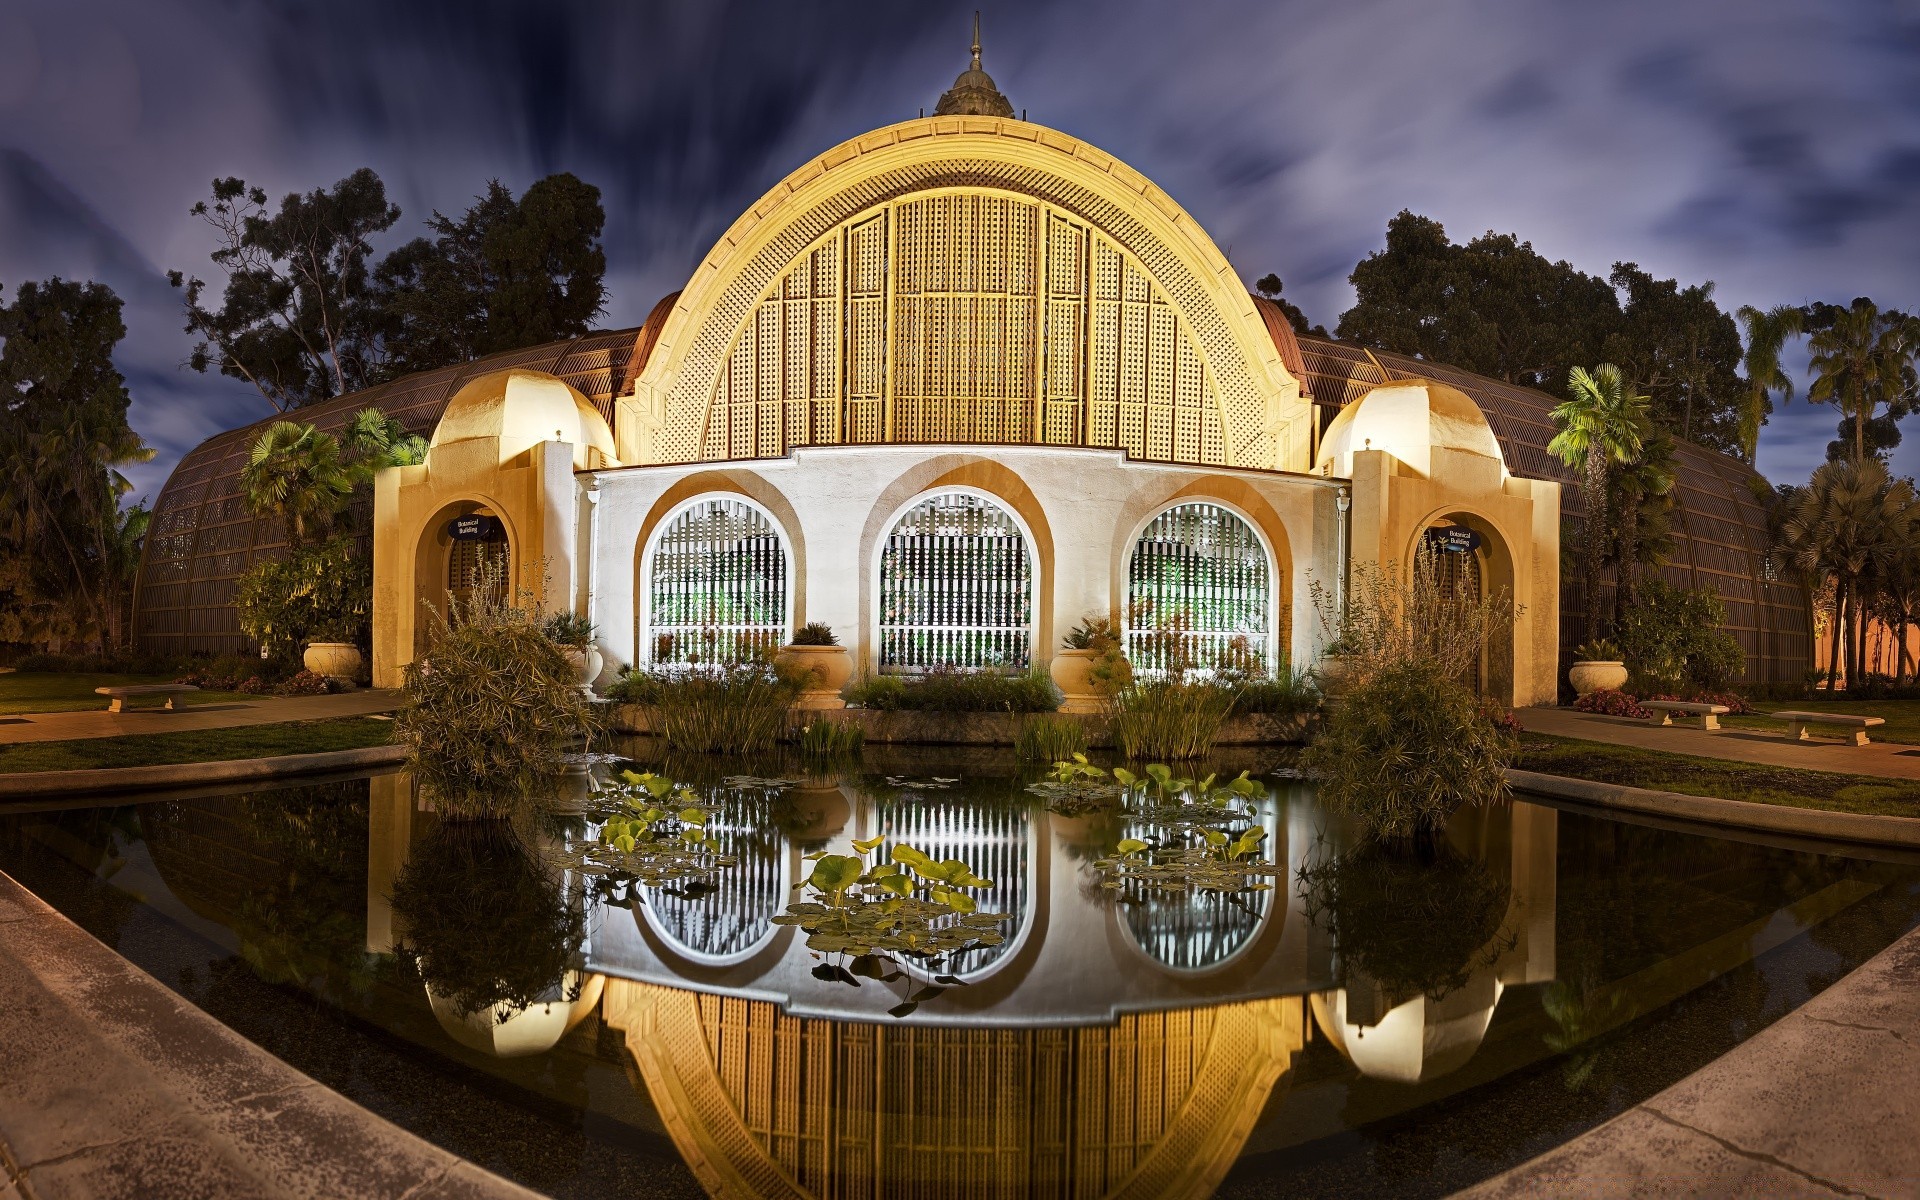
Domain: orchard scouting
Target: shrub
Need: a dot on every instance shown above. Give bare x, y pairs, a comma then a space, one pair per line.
570, 629
708, 708
1674, 636
815, 633
1599, 650
1404, 750
821, 738
1291, 693
1427, 616
320, 593
1049, 739
492, 706
1110, 671
1609, 703
946, 689
113, 662
1170, 717
304, 683
1501, 717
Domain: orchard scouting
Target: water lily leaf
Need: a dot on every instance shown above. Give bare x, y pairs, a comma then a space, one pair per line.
866, 845
836, 872
1131, 846
957, 901
834, 973
693, 816
903, 1009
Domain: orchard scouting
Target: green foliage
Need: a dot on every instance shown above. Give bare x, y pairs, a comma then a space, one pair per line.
815, 633
1110, 670
1674, 636
307, 313
1287, 694
1767, 333
1599, 650
488, 925
1170, 716
1270, 287
821, 738
656, 838
492, 707
1603, 424
1417, 924
732, 708
952, 690
1404, 749
320, 593
570, 629
1049, 738
1863, 364
877, 913
67, 554
1426, 616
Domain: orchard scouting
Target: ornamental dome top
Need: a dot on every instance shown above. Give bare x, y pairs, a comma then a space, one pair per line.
973, 93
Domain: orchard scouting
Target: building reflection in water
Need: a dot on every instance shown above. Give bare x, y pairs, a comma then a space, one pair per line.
1104, 1049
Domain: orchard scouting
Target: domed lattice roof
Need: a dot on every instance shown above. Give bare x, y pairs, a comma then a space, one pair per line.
973, 94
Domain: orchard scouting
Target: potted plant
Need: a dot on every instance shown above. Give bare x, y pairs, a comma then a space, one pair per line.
1598, 666
1089, 667
818, 655
1335, 672
573, 633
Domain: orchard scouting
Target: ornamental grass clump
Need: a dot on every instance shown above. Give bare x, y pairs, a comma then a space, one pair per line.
714, 708
1049, 739
948, 689
1170, 716
492, 707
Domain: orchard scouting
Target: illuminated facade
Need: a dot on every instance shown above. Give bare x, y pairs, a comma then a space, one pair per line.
949, 388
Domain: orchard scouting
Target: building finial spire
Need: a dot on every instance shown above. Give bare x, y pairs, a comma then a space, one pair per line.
976, 39
973, 94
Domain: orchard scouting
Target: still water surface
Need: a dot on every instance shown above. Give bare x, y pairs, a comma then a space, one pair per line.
1370, 1026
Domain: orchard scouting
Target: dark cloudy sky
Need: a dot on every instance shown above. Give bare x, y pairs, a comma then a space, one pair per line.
1772, 146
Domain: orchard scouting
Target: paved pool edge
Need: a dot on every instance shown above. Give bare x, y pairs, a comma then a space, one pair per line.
1712, 810
26, 785
1819, 1103
116, 1087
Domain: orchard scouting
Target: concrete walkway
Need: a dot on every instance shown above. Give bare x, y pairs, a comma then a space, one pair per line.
114, 1088
267, 710
1887, 759
1821, 1103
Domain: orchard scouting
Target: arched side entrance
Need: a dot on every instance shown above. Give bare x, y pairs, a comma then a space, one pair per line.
1471, 562
466, 544
1200, 592
715, 583
957, 586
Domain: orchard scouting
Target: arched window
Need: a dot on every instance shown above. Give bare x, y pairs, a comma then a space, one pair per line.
716, 584
956, 587
1199, 593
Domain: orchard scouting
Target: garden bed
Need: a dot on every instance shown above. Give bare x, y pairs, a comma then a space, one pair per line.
195, 745
916, 727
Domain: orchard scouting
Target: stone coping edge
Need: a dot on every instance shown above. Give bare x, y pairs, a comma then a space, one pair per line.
927, 727
118, 1088
37, 784
1712, 810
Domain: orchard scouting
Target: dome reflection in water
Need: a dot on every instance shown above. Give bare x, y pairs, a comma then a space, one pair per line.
1372, 1022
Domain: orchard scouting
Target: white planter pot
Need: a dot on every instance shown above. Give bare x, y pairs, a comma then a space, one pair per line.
827, 668
586, 665
1589, 677
338, 661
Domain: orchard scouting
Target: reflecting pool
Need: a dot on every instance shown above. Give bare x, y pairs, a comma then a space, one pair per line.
597, 1020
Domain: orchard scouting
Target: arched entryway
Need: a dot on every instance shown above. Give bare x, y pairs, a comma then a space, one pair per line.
1470, 562
466, 545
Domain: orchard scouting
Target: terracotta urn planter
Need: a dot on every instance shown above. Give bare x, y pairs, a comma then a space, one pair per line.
338, 661
586, 665
1588, 677
1072, 672
827, 668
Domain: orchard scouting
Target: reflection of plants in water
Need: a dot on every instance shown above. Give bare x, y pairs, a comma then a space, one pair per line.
1581, 1012
1077, 788
653, 833
488, 925
877, 913
1188, 861
1418, 921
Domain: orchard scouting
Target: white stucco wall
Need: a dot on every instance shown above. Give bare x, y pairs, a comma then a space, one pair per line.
1084, 507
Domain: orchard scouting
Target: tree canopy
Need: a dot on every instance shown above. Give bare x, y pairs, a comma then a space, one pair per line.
64, 553
1269, 286
308, 312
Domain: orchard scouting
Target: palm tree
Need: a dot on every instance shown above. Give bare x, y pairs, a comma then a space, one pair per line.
1850, 522
1640, 495
1862, 363
298, 473
375, 440
1767, 334
1604, 423
1897, 600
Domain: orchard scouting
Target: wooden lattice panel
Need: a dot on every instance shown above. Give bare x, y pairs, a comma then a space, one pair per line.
926, 320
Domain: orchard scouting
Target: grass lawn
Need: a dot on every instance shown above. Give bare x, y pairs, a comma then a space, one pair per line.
197, 745
59, 691
1634, 767
1902, 717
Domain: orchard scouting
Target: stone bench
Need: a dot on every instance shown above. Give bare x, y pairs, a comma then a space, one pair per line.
120, 695
1709, 714
1855, 727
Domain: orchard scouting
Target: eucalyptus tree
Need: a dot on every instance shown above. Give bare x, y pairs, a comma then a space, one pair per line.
1767, 333
1851, 522
1863, 365
1602, 423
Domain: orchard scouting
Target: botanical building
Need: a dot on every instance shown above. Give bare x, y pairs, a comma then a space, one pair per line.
949, 388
